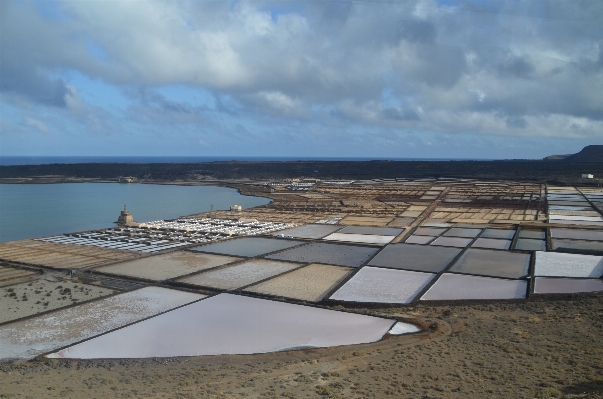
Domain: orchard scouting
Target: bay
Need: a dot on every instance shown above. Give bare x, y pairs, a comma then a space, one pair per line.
37, 210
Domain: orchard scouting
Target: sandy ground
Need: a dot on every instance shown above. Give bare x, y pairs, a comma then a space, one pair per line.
529, 350
38, 296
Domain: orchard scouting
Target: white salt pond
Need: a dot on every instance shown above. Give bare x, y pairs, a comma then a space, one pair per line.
556, 264
35, 336
457, 287
232, 324
403, 328
373, 284
360, 238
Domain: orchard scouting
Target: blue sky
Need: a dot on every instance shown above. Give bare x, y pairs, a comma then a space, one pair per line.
403, 79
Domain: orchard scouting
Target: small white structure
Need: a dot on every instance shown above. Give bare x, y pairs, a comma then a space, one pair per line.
237, 208
587, 176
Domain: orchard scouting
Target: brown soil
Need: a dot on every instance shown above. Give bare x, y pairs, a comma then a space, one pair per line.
536, 349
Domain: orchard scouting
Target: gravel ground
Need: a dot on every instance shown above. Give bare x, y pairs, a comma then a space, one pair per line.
38, 296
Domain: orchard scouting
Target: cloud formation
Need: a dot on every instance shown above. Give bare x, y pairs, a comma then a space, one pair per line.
416, 67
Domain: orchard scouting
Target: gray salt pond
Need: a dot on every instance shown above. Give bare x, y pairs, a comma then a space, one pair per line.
579, 245
327, 253
452, 242
532, 234
248, 246
492, 263
232, 324
577, 234
545, 285
419, 239
498, 233
462, 232
459, 287
32, 337
491, 243
530, 245
429, 231
372, 284
415, 257
381, 231
312, 231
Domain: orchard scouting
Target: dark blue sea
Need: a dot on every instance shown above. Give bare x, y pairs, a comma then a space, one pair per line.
42, 160
35, 210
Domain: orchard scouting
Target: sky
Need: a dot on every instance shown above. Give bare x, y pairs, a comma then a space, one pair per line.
476, 79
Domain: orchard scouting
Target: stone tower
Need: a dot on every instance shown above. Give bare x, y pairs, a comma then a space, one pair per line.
125, 218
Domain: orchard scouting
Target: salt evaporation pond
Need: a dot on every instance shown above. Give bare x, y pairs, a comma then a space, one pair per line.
492, 263
373, 284
491, 243
419, 240
232, 324
32, 337
458, 286
310, 231
248, 246
462, 232
360, 238
167, 266
498, 233
452, 242
310, 283
556, 264
378, 231
547, 285
237, 276
327, 253
415, 257
576, 234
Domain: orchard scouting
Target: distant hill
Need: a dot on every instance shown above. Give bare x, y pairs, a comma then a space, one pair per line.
591, 153
557, 157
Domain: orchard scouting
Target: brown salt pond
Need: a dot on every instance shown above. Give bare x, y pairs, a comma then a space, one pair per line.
546, 285
232, 324
310, 283
32, 337
415, 257
457, 287
377, 285
327, 253
167, 266
231, 277
492, 263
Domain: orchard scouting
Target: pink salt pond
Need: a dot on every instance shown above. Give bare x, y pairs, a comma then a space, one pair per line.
458, 287
232, 324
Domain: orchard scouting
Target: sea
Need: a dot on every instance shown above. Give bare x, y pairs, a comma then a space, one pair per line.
45, 160
37, 210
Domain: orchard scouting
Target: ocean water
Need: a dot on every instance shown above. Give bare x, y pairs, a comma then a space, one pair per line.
36, 210
45, 160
